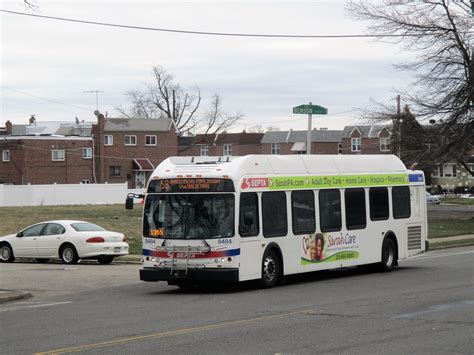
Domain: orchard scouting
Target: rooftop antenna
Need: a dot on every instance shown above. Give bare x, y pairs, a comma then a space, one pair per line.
96, 97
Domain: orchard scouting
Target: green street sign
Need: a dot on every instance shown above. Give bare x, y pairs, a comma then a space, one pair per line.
310, 109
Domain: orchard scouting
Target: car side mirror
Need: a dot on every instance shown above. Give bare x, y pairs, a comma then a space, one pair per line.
19, 234
129, 203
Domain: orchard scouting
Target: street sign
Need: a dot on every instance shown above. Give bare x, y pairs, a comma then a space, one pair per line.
310, 110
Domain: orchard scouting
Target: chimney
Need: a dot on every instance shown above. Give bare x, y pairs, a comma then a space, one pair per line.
8, 126
32, 119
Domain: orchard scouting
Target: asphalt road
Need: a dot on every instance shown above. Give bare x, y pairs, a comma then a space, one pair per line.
426, 306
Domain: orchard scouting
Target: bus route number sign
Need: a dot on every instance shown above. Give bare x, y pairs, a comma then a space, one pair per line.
191, 185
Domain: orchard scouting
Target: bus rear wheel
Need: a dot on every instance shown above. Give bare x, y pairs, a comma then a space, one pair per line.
389, 255
271, 269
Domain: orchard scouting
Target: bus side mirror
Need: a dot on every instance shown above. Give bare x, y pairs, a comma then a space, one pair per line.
129, 203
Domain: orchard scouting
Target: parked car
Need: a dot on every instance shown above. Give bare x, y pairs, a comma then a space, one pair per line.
431, 198
63, 239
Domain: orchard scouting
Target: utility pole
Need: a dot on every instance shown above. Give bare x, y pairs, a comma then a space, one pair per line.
96, 97
399, 120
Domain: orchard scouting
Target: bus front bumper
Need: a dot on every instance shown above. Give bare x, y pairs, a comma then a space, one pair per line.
197, 275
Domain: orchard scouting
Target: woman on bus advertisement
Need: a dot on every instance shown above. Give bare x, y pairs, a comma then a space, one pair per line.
313, 247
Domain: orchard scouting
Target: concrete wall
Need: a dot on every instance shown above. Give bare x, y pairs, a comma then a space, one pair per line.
62, 194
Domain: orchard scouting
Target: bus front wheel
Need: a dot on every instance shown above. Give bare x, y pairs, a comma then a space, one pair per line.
389, 255
270, 269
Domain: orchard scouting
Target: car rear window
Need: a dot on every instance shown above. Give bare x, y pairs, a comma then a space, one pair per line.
86, 227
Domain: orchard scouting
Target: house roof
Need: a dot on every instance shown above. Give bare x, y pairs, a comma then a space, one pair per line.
366, 131
74, 131
82, 129
137, 124
242, 138
327, 136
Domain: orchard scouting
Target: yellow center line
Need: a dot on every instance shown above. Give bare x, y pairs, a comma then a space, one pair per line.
202, 328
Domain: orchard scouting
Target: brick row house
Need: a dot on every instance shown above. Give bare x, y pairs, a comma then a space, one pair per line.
130, 149
118, 150
112, 150
294, 142
224, 144
46, 160
366, 140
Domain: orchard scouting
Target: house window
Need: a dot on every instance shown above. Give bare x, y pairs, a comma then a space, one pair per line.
447, 170
355, 144
227, 150
6, 155
86, 153
205, 151
85, 181
115, 170
150, 140
339, 148
275, 148
58, 155
384, 144
108, 139
130, 140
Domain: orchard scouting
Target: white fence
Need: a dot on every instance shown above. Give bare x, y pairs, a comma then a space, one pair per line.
67, 194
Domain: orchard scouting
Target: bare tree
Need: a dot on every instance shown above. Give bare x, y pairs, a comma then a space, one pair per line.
440, 32
166, 98
214, 122
30, 5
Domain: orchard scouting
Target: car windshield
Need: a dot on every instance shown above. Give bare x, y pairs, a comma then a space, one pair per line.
189, 216
86, 227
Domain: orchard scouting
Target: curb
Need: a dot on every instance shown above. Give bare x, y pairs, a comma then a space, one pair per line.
9, 296
454, 244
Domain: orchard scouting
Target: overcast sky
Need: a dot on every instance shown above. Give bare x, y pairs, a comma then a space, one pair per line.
261, 77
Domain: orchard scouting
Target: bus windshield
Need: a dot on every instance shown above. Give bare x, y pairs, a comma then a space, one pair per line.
189, 216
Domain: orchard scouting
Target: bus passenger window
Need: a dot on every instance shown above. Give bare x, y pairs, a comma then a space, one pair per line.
275, 221
378, 197
355, 209
330, 210
401, 202
302, 211
248, 219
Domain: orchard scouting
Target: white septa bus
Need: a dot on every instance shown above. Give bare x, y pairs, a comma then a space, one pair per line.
266, 216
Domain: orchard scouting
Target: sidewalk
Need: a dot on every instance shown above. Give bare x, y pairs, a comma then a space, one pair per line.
433, 244
450, 242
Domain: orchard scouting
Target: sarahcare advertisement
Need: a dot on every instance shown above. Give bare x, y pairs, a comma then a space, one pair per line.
329, 247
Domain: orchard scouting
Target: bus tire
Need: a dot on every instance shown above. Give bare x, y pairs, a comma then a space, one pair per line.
389, 255
271, 269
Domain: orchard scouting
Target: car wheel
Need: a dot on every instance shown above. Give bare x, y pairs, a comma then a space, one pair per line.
68, 254
270, 269
105, 259
42, 261
6, 253
388, 255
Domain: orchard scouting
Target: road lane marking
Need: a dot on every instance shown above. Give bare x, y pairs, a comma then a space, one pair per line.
170, 333
438, 255
38, 305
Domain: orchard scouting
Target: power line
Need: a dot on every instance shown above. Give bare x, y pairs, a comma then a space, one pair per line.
289, 120
206, 33
42, 98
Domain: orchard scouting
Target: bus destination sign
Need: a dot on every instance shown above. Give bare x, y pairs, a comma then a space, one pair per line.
191, 185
